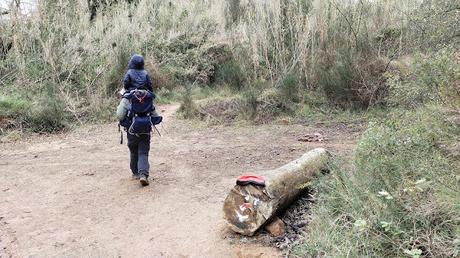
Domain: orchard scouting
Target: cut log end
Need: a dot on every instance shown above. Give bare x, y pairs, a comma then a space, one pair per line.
248, 207
242, 208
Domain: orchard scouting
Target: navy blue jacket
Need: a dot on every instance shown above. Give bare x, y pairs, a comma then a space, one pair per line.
137, 77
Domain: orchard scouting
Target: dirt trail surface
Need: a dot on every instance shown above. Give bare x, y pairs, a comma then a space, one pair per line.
71, 195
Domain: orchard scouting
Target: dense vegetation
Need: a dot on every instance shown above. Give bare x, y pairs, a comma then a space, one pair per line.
257, 60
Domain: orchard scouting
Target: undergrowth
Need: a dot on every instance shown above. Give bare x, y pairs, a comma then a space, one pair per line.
340, 52
399, 196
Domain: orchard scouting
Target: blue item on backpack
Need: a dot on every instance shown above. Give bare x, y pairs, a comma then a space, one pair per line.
140, 125
139, 119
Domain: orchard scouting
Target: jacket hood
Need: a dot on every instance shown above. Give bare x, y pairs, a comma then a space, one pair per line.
136, 62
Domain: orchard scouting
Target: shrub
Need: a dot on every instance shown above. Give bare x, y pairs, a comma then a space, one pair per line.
399, 199
161, 76
188, 108
433, 26
11, 107
272, 104
249, 103
221, 110
351, 79
233, 12
84, 61
119, 65
231, 74
432, 79
166, 96
289, 88
46, 115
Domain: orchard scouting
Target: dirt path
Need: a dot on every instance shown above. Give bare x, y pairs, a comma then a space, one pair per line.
71, 195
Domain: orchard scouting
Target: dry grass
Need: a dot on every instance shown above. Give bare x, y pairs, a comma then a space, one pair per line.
58, 50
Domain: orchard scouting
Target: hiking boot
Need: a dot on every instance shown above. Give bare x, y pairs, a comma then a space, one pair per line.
144, 181
136, 177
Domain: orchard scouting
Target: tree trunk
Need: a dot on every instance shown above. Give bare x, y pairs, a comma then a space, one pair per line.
247, 208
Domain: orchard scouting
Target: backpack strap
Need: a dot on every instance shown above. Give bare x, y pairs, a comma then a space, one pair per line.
141, 98
121, 133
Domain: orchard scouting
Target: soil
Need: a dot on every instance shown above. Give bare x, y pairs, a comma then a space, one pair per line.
71, 195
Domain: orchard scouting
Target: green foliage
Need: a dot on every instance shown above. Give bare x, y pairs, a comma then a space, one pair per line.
188, 109
434, 25
186, 58
399, 197
62, 51
336, 50
231, 74
432, 79
336, 80
167, 96
250, 104
233, 12
47, 114
272, 105
114, 77
12, 107
44, 114
289, 88
350, 80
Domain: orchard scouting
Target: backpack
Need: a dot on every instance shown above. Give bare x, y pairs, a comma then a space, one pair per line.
140, 118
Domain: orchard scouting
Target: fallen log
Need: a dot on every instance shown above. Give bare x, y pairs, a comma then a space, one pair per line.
248, 207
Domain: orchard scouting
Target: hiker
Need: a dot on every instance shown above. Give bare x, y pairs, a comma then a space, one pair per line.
136, 113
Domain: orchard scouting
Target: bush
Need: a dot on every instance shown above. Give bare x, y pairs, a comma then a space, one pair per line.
233, 12
270, 105
188, 108
289, 88
12, 110
11, 107
231, 74
85, 59
432, 79
434, 26
249, 103
114, 77
221, 110
161, 77
47, 115
352, 79
166, 96
399, 199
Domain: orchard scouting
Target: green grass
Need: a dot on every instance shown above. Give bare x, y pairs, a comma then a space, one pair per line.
167, 96
397, 198
12, 106
44, 114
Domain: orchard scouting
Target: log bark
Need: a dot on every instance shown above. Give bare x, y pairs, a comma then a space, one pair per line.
247, 208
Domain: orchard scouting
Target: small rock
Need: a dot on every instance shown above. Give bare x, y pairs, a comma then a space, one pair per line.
276, 228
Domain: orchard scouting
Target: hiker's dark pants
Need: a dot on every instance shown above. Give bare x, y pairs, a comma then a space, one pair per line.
139, 147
